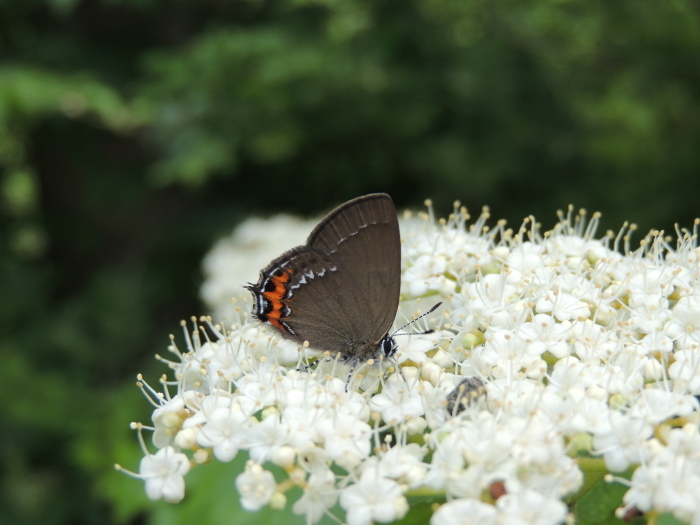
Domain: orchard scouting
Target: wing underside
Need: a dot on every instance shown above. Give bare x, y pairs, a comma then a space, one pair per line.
343, 286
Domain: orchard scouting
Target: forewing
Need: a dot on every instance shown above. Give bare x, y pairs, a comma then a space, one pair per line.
362, 238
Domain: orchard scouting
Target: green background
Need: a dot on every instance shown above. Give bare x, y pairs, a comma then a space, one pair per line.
133, 133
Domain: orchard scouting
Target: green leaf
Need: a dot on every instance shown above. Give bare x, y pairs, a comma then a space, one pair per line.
417, 515
212, 499
668, 519
598, 506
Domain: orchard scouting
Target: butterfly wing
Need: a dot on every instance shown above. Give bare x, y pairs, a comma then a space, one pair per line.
362, 236
340, 291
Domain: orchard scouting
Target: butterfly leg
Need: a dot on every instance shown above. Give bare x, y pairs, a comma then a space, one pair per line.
396, 365
352, 369
311, 365
305, 368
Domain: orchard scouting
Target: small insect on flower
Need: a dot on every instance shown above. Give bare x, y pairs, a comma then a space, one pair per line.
465, 392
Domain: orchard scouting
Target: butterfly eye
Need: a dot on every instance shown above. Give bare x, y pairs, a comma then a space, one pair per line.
389, 346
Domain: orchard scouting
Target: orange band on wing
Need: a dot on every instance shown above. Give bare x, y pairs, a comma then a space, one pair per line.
275, 297
276, 311
274, 322
274, 307
284, 278
277, 293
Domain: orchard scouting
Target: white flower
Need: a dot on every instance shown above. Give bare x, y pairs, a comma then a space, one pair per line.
685, 371
490, 296
545, 334
193, 374
563, 306
259, 386
625, 374
573, 412
670, 482
581, 352
256, 486
656, 405
649, 287
531, 508
464, 512
167, 420
266, 437
303, 424
650, 343
425, 275
435, 402
623, 442
373, 498
401, 463
684, 327
525, 259
414, 348
223, 431
684, 441
224, 360
398, 401
319, 495
346, 439
519, 397
313, 459
592, 341
507, 355
164, 474
679, 484
296, 389
644, 482
447, 463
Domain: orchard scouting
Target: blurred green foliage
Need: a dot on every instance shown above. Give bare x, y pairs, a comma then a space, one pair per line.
134, 132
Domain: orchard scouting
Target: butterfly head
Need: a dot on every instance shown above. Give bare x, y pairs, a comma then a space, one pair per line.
388, 346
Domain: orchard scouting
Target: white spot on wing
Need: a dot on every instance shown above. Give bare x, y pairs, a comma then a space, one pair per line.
288, 328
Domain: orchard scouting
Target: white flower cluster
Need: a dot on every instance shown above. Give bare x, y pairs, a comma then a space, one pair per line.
583, 352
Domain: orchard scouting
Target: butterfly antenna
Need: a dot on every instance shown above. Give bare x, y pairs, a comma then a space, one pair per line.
414, 320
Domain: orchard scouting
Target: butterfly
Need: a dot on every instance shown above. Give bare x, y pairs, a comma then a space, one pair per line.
339, 292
